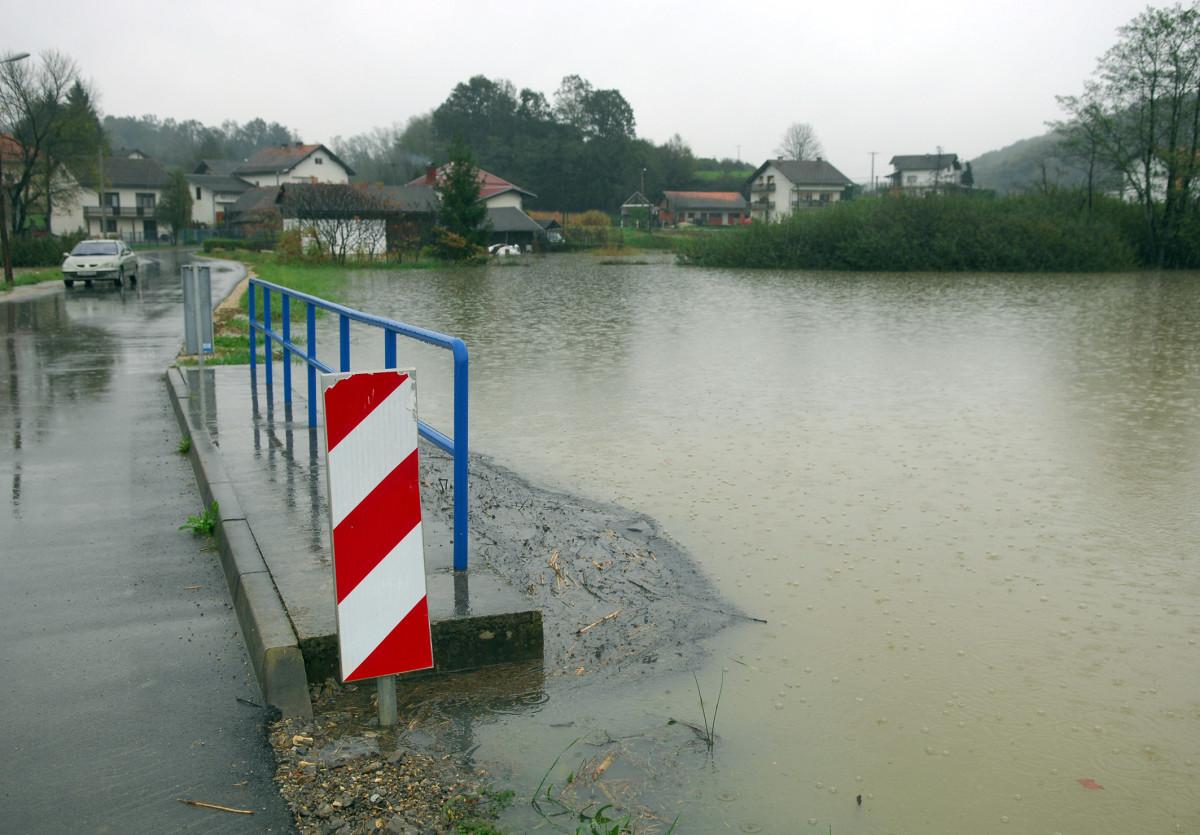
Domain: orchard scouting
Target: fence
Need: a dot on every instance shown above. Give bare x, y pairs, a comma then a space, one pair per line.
455, 445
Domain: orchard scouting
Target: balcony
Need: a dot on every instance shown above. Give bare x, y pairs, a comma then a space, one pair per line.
762, 188
119, 211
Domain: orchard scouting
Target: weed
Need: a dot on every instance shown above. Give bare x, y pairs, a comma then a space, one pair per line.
185, 445
204, 523
710, 730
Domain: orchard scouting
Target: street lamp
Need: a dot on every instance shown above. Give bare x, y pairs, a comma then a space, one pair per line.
8, 273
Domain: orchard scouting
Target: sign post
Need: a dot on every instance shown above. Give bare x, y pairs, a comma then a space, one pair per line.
375, 519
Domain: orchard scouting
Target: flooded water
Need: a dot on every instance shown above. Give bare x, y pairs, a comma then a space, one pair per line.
966, 506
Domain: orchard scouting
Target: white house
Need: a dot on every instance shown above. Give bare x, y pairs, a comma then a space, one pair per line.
214, 195
296, 162
923, 173
133, 189
505, 204
782, 186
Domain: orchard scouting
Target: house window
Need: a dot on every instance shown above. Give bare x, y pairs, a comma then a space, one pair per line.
911, 179
145, 201
318, 160
110, 225
197, 192
112, 199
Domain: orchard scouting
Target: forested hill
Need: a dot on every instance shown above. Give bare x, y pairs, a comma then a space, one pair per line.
1033, 163
182, 144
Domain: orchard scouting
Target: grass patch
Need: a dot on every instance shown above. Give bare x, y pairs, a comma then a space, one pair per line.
185, 445
22, 278
202, 524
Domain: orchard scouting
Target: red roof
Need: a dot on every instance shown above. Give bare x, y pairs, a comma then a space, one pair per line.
489, 184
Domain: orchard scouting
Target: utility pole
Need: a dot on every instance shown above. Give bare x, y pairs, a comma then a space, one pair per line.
873, 153
4, 244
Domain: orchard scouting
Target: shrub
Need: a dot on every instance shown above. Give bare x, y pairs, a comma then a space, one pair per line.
42, 252
290, 246
592, 217
449, 246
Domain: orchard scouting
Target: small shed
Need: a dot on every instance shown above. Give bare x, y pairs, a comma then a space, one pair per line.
638, 210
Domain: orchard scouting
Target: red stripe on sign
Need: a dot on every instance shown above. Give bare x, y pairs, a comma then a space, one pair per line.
350, 400
376, 526
407, 647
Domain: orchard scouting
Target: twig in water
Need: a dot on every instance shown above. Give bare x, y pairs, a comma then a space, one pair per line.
594, 624
204, 805
710, 730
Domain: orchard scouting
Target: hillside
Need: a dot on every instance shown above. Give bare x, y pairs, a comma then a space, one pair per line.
1028, 164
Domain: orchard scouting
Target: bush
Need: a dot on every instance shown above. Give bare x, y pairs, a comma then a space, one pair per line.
449, 246
592, 217
290, 246
952, 232
42, 252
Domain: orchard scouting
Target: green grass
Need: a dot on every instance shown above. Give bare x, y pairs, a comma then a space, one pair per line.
22, 278
204, 523
185, 445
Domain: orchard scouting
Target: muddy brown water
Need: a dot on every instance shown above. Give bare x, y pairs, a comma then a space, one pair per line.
966, 504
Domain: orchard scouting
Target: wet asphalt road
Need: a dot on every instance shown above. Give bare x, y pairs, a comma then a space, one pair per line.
120, 657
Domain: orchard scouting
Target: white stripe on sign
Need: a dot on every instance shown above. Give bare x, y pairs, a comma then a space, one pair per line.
356, 465
368, 614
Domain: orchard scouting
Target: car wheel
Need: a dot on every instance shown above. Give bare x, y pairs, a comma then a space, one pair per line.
87, 282
121, 278
69, 282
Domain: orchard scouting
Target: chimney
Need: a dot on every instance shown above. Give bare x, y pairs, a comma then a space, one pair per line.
431, 175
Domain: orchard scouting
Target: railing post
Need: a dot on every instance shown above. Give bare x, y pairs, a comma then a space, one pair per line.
460, 456
389, 349
310, 317
344, 341
268, 349
286, 311
253, 339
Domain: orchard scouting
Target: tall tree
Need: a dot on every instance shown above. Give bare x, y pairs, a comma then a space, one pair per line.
175, 207
800, 142
1143, 110
461, 211
33, 111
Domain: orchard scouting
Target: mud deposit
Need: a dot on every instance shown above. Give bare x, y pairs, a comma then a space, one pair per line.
617, 594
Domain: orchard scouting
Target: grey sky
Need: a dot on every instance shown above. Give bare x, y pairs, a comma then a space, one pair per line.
892, 77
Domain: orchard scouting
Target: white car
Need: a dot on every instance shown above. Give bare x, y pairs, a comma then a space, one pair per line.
100, 261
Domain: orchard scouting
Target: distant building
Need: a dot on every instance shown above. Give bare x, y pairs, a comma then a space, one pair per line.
133, 187
703, 208
779, 187
924, 173
292, 162
362, 220
638, 209
505, 204
214, 196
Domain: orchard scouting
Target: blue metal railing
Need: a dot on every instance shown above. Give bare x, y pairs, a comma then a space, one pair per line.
455, 445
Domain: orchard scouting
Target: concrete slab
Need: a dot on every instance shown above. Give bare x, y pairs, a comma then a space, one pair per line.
258, 454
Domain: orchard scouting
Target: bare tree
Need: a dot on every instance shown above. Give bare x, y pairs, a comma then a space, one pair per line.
33, 112
800, 142
342, 220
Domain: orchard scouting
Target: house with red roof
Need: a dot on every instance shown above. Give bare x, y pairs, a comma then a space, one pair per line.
703, 208
505, 205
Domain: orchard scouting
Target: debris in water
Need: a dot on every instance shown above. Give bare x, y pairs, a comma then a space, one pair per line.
204, 805
859, 799
609, 616
1089, 783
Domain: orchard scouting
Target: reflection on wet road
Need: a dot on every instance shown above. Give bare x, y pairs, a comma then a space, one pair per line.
121, 658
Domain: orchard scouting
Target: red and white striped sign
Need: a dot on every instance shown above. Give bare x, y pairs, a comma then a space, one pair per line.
375, 515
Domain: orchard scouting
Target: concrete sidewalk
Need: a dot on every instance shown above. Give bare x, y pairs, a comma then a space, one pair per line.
258, 459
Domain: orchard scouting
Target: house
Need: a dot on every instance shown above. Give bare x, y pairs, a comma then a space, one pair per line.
133, 187
703, 208
292, 162
358, 220
638, 208
782, 186
254, 213
214, 196
505, 205
554, 233
924, 173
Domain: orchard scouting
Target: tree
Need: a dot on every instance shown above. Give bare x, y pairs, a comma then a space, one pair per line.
800, 142
33, 111
71, 155
968, 176
175, 207
461, 212
1142, 111
340, 219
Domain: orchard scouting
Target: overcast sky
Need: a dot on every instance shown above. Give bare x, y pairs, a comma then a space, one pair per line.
893, 77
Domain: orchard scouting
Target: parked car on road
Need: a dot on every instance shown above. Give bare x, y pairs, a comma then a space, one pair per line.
100, 261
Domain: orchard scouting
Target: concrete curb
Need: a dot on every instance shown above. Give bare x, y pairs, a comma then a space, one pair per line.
267, 630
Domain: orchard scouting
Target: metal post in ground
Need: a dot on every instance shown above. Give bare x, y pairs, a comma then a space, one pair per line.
386, 686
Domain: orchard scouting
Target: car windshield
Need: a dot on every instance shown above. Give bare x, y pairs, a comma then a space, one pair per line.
95, 248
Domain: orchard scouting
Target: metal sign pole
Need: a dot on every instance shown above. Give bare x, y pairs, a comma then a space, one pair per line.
386, 686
